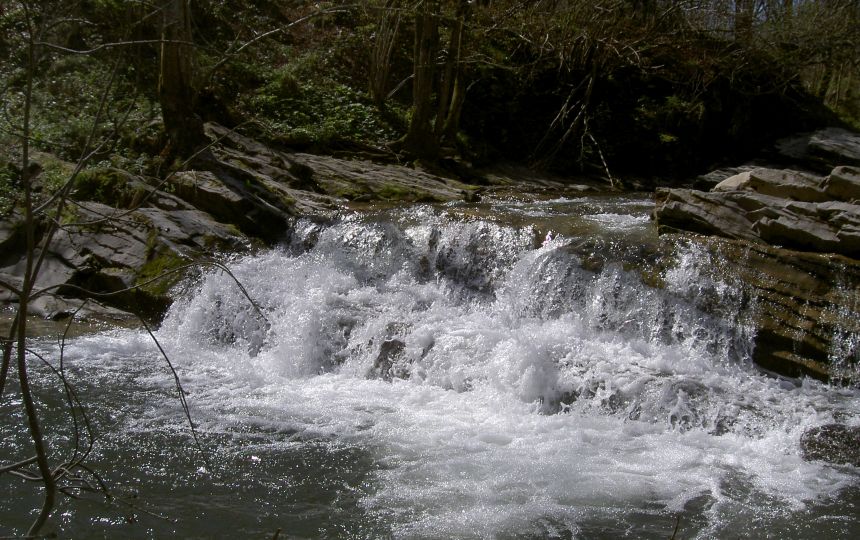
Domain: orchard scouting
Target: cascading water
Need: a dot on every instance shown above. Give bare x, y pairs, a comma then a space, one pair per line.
439, 373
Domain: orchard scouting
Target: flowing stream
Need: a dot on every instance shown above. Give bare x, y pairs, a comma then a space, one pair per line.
538, 369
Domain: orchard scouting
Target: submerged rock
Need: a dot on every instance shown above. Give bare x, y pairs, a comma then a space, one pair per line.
834, 443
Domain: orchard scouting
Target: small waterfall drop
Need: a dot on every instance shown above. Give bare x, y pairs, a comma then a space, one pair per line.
543, 369
510, 379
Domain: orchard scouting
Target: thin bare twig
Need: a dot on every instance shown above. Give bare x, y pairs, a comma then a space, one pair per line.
112, 45
18, 465
181, 395
230, 54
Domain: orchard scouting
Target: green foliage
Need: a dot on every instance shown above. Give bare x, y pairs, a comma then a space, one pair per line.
65, 109
55, 173
667, 86
302, 105
8, 192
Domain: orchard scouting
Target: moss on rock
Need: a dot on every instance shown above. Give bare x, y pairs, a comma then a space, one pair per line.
160, 273
109, 186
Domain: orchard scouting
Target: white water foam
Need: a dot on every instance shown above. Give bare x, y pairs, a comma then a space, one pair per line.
501, 388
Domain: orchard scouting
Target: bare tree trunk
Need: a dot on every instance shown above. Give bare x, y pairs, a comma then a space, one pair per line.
453, 69
452, 121
788, 9
176, 91
420, 139
30, 272
744, 10
383, 46
826, 78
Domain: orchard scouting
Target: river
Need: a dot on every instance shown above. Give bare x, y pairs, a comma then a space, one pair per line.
511, 369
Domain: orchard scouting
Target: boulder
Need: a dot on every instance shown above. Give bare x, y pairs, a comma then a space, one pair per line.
787, 184
843, 184
835, 443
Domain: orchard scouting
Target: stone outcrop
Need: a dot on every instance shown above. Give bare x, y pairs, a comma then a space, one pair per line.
314, 184
786, 184
795, 244
781, 208
804, 307
111, 254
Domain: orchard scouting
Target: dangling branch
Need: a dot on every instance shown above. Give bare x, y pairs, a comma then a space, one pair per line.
181, 392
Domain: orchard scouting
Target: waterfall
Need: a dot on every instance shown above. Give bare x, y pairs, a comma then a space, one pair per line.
506, 375
543, 369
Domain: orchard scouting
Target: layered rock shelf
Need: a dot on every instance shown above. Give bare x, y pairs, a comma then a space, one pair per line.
776, 207
794, 239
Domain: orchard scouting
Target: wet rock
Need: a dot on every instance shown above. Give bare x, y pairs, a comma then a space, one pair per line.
834, 443
789, 255
804, 308
384, 364
473, 196
56, 308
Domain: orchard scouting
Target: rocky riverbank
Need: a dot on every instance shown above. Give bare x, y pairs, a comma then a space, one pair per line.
795, 240
792, 235
127, 239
